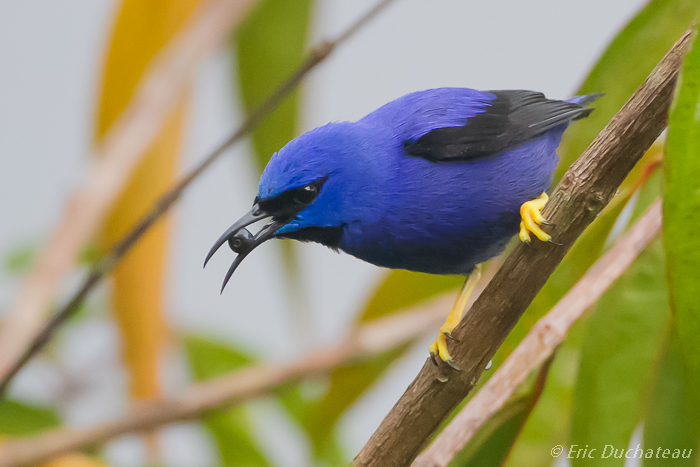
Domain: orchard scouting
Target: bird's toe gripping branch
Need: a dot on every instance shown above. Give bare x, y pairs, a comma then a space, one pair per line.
531, 219
438, 349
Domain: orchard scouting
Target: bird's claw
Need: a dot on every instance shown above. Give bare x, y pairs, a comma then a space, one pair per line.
450, 336
453, 365
532, 219
439, 352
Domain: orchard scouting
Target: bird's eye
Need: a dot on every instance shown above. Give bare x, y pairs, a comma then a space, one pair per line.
306, 194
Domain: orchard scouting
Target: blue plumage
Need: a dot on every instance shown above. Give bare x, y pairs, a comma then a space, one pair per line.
430, 182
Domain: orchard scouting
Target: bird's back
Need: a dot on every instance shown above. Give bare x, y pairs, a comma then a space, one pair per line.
459, 164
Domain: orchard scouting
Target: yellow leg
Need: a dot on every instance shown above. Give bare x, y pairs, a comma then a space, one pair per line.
439, 347
532, 219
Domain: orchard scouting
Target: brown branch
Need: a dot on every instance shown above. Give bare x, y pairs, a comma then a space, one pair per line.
541, 341
235, 388
583, 192
30, 347
116, 156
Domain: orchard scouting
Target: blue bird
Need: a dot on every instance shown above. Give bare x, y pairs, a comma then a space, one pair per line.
436, 181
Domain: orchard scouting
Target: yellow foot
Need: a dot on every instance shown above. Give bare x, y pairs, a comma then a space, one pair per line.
532, 219
438, 349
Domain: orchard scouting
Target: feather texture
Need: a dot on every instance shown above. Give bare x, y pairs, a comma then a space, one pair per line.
511, 118
430, 182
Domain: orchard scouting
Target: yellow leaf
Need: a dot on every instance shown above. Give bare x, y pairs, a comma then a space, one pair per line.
141, 30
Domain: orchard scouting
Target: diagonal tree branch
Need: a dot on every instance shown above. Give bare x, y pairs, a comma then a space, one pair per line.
583, 192
32, 345
541, 341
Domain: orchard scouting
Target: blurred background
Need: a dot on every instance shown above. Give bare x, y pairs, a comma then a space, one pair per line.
68, 70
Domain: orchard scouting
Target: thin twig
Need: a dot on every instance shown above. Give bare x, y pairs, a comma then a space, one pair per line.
541, 341
368, 340
235, 388
583, 192
116, 156
106, 264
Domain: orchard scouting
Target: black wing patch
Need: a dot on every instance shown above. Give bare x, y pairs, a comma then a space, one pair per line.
513, 118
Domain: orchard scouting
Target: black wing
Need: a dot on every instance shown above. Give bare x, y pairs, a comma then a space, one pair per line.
513, 118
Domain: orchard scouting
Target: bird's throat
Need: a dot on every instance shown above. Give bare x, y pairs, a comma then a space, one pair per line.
328, 236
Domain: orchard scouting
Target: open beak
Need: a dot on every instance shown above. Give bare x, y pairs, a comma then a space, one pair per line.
242, 241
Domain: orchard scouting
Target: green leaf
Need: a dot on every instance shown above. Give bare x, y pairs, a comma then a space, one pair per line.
301, 402
299, 398
17, 419
232, 432
209, 359
624, 65
621, 345
269, 46
671, 421
548, 423
89, 254
20, 260
492, 443
620, 70
400, 289
347, 383
580, 257
682, 210
231, 428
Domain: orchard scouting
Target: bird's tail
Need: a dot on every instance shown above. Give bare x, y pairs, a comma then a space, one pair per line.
585, 100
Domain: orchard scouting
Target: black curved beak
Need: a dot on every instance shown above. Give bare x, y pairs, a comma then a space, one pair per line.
242, 241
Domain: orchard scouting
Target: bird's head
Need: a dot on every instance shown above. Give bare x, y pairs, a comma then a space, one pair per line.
314, 186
